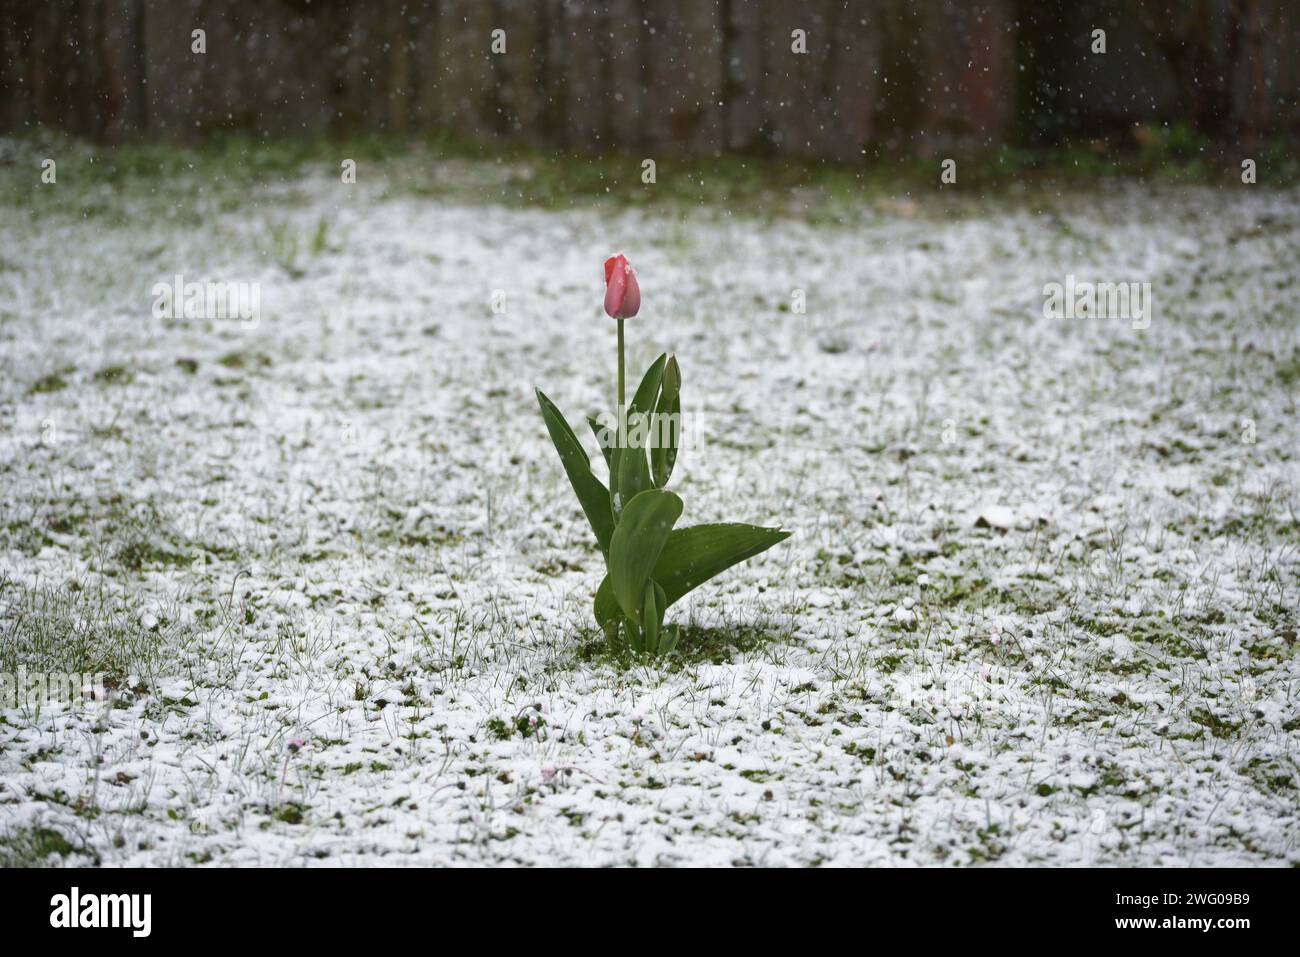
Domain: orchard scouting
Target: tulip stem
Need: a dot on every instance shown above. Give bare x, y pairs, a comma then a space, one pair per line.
622, 394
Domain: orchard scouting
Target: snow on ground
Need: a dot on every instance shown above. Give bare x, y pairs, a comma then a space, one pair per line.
1039, 606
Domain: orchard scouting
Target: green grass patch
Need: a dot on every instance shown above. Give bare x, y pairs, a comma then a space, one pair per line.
227, 172
70, 629
698, 645
33, 847
50, 382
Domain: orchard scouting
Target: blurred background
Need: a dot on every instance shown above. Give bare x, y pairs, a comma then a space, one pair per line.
671, 77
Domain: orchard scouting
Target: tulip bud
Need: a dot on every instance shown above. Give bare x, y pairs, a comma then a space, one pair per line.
622, 294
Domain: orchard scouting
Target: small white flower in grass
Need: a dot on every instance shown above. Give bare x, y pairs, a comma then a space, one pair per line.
548, 774
148, 622
923, 580
995, 634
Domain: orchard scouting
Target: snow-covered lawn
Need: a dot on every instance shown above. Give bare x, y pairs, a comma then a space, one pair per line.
1039, 605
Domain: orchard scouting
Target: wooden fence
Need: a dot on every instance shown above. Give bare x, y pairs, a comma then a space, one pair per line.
832, 79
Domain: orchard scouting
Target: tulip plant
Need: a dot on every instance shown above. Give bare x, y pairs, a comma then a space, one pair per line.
649, 562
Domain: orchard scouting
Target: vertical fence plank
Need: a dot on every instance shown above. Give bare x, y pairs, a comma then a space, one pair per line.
424, 73
174, 75
395, 67
520, 69
42, 64
376, 53
355, 85
1285, 94
797, 82
1252, 73
621, 40
586, 97
745, 118
78, 42
700, 86
554, 79
967, 49
232, 81
465, 71
854, 81
684, 76
122, 52
305, 88
15, 92
989, 48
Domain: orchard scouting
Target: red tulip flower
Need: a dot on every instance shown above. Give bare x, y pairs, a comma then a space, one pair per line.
622, 294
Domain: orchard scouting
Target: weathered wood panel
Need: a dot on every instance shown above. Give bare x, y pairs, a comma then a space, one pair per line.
175, 76
121, 53
849, 107
626, 46
654, 77
797, 45
584, 39
423, 29
521, 70
967, 48
744, 108
467, 74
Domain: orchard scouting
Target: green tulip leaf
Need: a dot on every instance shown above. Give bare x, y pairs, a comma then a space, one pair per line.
651, 615
630, 469
591, 491
667, 426
648, 391
603, 439
634, 636
668, 639
691, 556
635, 546
631, 474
